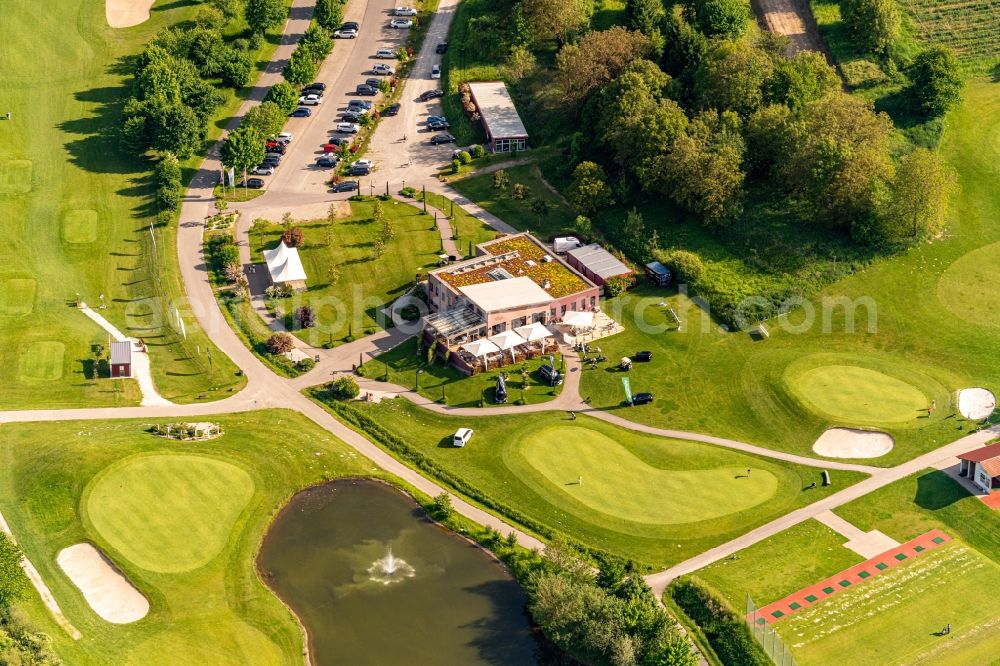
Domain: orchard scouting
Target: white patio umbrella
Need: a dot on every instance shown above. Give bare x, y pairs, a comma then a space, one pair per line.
480, 348
508, 340
533, 331
579, 319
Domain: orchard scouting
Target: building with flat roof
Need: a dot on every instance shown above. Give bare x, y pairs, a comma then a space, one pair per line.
504, 130
597, 263
512, 281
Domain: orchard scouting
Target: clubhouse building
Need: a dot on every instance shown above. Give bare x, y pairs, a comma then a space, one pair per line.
981, 466
504, 130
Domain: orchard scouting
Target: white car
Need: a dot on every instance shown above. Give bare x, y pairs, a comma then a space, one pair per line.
345, 34
310, 100
436, 72
385, 53
367, 164
285, 137
383, 69
263, 170
462, 436
400, 23
404, 11
347, 128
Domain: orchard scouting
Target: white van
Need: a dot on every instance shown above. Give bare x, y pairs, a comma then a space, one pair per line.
462, 436
436, 72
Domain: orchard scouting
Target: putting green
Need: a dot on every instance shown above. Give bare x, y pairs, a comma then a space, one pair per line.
42, 361
967, 287
168, 513
853, 394
17, 296
15, 176
617, 483
79, 226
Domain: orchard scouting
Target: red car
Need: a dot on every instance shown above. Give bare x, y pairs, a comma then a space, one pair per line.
331, 148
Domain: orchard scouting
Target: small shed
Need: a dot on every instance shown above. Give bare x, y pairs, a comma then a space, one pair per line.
982, 467
596, 263
504, 130
658, 274
121, 359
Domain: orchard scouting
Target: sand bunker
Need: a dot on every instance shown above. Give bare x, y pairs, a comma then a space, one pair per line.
126, 13
107, 591
853, 443
976, 403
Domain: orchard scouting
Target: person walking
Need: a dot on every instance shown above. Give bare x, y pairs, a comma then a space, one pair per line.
748, 472
579, 481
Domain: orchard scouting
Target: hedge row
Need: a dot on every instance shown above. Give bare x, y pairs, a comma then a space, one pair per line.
725, 630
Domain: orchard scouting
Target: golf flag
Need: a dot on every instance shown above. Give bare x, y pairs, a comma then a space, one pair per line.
628, 390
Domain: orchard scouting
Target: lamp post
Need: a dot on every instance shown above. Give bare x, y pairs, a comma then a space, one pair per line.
416, 383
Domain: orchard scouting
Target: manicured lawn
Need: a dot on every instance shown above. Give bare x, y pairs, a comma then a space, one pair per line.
142, 505
517, 212
366, 285
525, 463
469, 231
460, 390
200, 508
76, 211
778, 566
894, 617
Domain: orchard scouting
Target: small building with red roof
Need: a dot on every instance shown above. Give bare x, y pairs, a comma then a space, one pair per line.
982, 467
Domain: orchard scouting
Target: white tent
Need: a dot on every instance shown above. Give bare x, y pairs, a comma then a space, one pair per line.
507, 340
480, 348
284, 264
533, 331
578, 318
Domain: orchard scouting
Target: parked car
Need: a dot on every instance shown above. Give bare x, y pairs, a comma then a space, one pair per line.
345, 186
462, 436
374, 83
286, 137
404, 11
644, 356
390, 110
331, 147
366, 163
359, 171
365, 89
437, 126
275, 147
327, 160
455, 153
313, 91
350, 25
253, 183
273, 156
430, 94
351, 116
360, 103
432, 118
442, 138
383, 69
442, 47
345, 34
262, 170
436, 71
310, 100
400, 23
301, 112
317, 85
271, 161
347, 128
385, 53
339, 141
642, 398
551, 376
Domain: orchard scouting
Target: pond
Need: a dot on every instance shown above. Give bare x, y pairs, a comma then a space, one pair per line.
375, 582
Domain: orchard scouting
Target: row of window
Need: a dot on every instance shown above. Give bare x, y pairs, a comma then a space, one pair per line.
508, 145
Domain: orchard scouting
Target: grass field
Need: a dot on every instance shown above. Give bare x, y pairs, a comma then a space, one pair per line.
971, 28
366, 284
526, 463
194, 550
469, 231
167, 513
76, 211
459, 390
517, 212
895, 617
965, 287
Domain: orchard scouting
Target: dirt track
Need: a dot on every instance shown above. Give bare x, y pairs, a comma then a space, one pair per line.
793, 19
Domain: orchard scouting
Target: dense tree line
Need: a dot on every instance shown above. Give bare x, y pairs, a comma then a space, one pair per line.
19, 642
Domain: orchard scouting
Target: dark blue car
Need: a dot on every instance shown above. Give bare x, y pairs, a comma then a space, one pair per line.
301, 112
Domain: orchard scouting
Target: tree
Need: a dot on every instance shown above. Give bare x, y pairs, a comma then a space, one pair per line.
801, 79
344, 387
920, 192
378, 211
378, 247
875, 24
556, 19
687, 266
684, 45
722, 18
306, 316
266, 118
520, 63
167, 176
539, 207
733, 78
332, 274
236, 68
301, 68
441, 508
13, 582
646, 16
176, 129
263, 15
589, 190
316, 42
292, 237
936, 80
388, 231
500, 180
243, 148
280, 343
597, 58
284, 95
583, 227
329, 14
230, 8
